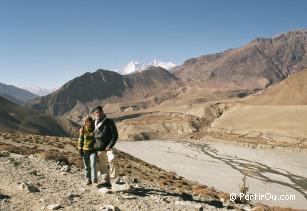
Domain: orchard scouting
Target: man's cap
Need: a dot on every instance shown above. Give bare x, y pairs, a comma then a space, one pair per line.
98, 109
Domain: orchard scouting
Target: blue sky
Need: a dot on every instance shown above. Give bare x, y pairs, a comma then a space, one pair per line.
48, 42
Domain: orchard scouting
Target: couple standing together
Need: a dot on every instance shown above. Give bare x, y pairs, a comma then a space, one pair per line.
96, 141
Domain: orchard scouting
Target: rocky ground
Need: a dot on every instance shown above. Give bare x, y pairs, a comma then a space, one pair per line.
45, 173
251, 140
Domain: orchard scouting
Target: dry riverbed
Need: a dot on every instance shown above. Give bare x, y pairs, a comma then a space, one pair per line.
223, 166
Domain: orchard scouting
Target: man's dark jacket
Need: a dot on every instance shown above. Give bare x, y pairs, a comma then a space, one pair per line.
107, 134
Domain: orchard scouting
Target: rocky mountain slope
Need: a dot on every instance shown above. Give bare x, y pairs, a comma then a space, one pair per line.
260, 63
18, 119
107, 87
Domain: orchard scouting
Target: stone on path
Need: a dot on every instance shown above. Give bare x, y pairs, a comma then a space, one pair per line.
28, 187
120, 187
53, 206
104, 190
109, 208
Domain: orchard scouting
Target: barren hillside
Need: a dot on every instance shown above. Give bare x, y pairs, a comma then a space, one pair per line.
291, 91
18, 119
258, 64
278, 113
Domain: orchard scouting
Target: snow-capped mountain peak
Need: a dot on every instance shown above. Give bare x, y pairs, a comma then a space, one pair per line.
132, 67
135, 66
39, 91
165, 65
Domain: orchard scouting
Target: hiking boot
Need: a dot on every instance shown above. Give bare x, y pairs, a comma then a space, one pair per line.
88, 182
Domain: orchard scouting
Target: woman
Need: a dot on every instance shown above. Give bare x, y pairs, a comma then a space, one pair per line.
86, 150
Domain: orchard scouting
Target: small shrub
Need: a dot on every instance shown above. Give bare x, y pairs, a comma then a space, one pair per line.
57, 156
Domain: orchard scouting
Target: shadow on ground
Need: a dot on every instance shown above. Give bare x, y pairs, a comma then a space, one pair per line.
143, 192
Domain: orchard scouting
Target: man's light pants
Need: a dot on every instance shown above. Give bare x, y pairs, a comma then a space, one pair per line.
104, 158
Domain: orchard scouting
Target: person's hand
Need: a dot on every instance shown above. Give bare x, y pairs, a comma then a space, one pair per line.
81, 130
108, 149
81, 152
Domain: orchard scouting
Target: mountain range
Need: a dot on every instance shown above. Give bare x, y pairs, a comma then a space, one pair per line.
14, 94
105, 86
265, 71
252, 67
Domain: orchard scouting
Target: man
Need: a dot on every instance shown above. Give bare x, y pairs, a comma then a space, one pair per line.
106, 136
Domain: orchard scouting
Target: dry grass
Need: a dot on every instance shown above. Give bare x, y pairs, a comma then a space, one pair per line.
66, 158
19, 150
56, 156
